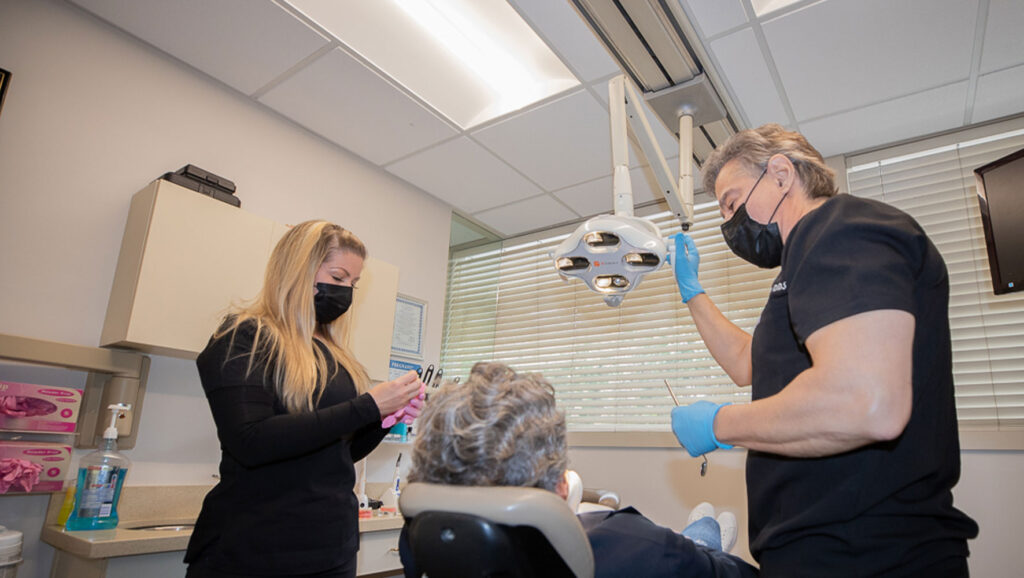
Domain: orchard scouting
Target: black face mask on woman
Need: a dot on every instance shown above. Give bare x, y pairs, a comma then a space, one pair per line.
331, 301
751, 241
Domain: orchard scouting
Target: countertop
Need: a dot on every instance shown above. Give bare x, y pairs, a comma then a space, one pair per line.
149, 506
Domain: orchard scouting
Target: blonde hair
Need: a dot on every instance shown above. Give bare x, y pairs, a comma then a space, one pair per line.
753, 148
500, 428
286, 322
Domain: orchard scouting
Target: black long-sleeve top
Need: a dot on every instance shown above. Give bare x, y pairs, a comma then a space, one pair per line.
284, 503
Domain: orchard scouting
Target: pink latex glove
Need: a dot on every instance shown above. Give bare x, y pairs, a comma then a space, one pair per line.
412, 411
21, 406
408, 413
15, 471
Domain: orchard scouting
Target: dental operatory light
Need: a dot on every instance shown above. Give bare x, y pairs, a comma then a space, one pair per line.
612, 253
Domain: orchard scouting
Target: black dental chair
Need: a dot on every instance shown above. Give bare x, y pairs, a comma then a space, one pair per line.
506, 532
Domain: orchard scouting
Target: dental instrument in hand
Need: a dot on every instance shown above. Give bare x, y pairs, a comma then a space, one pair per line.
704, 464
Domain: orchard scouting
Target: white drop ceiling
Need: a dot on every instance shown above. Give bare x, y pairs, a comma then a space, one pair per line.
849, 74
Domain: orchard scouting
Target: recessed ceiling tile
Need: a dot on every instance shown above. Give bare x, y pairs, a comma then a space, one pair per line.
666, 140
745, 70
465, 175
567, 34
589, 198
556, 145
999, 94
527, 215
339, 98
645, 190
834, 56
213, 38
595, 197
1004, 35
894, 120
716, 16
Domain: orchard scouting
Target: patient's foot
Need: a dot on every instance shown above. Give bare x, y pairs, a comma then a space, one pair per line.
703, 510
730, 529
699, 530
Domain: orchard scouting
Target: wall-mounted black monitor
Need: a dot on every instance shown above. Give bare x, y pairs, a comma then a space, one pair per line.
1001, 197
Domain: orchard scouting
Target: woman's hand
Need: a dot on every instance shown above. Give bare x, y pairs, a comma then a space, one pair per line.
392, 396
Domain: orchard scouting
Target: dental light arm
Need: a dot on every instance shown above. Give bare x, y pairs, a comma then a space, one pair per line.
626, 104
612, 253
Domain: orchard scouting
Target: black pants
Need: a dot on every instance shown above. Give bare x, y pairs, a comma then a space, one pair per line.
200, 569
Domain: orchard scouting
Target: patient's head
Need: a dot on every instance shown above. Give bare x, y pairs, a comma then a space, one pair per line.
499, 428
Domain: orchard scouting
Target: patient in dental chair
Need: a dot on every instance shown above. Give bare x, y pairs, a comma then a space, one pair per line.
501, 428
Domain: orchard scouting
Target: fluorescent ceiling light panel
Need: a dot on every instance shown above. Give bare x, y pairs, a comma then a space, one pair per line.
471, 60
762, 7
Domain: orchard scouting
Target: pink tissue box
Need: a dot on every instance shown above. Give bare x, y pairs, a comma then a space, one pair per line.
54, 458
38, 408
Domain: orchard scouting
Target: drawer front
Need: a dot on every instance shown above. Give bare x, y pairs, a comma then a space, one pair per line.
378, 552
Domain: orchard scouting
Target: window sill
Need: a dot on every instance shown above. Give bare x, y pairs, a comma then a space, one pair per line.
969, 440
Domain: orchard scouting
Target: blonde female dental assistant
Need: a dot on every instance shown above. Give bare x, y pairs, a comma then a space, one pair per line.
294, 411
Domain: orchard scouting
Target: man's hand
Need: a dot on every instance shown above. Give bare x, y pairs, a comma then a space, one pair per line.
694, 426
685, 263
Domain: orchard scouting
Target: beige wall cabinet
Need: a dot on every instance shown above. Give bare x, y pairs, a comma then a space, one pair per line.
187, 258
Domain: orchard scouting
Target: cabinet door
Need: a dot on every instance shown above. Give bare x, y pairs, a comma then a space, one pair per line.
186, 259
373, 317
378, 552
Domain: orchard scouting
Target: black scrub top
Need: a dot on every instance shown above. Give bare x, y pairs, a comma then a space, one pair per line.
284, 504
886, 508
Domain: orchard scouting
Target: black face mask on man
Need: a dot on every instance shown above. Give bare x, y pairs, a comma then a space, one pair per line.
331, 301
751, 241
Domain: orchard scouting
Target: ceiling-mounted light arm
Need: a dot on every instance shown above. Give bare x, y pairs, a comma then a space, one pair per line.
622, 190
684, 198
625, 105
612, 253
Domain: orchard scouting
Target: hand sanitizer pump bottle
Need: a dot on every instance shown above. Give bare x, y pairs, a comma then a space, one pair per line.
100, 479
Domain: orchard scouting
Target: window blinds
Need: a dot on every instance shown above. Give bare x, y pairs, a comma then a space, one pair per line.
936, 185
506, 303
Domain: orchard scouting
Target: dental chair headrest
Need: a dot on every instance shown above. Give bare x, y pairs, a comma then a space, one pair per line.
511, 506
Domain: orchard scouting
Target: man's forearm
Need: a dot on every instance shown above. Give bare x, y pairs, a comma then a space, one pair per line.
806, 419
728, 344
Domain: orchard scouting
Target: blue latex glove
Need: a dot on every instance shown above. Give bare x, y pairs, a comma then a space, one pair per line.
685, 261
694, 427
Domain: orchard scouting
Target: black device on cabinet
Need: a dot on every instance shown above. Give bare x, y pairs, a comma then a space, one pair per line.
205, 182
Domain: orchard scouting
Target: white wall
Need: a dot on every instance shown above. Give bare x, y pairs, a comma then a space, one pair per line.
92, 116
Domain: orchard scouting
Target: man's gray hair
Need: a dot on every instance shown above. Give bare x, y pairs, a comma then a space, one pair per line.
753, 148
499, 428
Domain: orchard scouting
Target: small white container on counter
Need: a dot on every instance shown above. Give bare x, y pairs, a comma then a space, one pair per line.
10, 552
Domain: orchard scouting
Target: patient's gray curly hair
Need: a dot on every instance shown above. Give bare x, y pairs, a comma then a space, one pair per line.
499, 428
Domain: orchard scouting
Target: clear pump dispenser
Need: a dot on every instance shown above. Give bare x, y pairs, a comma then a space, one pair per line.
101, 476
